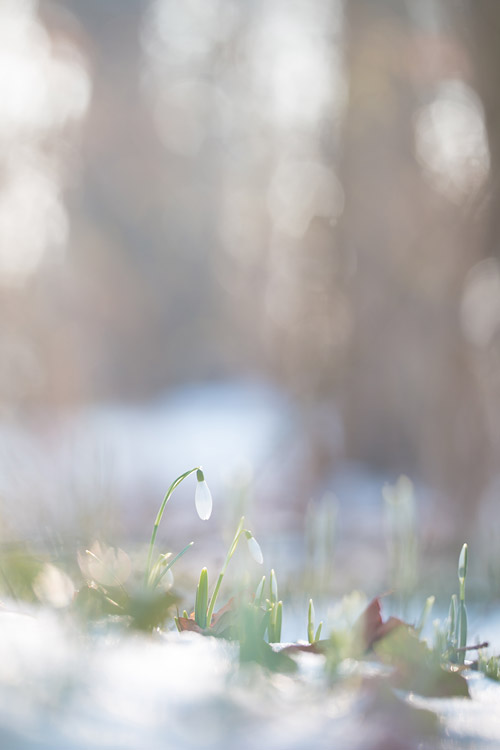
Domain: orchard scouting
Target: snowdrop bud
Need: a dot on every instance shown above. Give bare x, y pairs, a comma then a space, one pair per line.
462, 564
311, 613
260, 590
168, 580
203, 497
274, 586
254, 548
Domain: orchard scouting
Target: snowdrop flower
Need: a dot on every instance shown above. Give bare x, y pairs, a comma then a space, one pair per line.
203, 497
254, 547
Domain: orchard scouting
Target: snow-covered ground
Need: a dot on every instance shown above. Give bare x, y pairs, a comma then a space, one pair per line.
62, 690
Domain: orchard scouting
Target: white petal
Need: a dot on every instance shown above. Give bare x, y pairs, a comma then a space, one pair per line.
54, 587
203, 501
168, 580
255, 550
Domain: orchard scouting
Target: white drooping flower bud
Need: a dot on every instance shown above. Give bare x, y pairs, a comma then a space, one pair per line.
203, 497
254, 548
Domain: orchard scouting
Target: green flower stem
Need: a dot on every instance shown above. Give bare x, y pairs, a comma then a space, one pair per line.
452, 618
239, 531
462, 631
170, 490
425, 614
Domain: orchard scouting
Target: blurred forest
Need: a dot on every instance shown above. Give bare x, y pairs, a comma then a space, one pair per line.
304, 192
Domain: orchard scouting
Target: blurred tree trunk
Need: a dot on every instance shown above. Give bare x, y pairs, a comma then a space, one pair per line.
481, 30
411, 399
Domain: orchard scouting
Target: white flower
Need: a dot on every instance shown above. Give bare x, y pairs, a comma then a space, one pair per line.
54, 587
254, 548
168, 580
203, 498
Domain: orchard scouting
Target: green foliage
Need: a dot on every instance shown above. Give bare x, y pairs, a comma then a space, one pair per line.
429, 603
252, 624
417, 668
456, 629
201, 481
112, 591
312, 636
275, 611
18, 572
489, 666
462, 611
163, 565
201, 603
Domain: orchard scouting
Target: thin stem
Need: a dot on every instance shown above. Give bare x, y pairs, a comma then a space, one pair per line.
170, 490
462, 589
170, 564
214, 598
473, 648
231, 551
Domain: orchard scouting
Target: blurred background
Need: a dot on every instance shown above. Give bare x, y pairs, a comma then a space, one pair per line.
258, 236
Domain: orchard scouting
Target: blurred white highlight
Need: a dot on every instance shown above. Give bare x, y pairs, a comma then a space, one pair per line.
451, 143
43, 88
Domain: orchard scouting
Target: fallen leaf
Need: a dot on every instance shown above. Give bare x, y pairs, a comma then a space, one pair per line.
416, 668
372, 627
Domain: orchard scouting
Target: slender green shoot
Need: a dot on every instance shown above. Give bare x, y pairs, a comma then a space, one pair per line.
452, 623
230, 553
200, 607
312, 636
156, 524
429, 603
255, 551
278, 621
310, 622
462, 610
162, 567
259, 592
462, 570
275, 613
489, 666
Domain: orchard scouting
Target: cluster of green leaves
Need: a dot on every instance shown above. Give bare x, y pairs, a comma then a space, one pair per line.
313, 636
273, 608
489, 666
451, 643
143, 599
